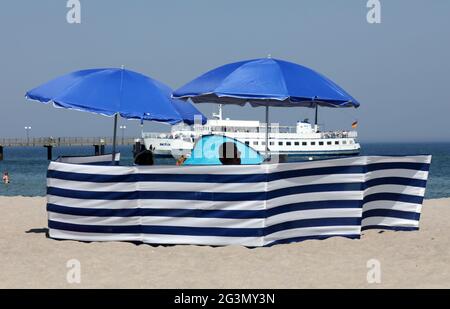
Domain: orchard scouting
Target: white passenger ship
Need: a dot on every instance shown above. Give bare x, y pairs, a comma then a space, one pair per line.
303, 139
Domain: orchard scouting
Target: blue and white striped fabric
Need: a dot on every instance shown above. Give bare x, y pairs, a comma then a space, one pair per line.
247, 205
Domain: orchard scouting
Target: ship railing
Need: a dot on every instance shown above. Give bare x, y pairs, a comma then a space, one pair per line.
260, 129
280, 129
324, 135
338, 134
156, 135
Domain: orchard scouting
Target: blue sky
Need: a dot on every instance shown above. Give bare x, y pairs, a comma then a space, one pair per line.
399, 70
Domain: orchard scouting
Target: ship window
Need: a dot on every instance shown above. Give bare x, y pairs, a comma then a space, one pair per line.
320, 143
336, 142
255, 143
344, 142
272, 143
297, 143
263, 143
351, 142
280, 143
288, 143
304, 143
313, 143
328, 143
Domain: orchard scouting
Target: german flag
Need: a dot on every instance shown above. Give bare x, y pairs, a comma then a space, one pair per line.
355, 124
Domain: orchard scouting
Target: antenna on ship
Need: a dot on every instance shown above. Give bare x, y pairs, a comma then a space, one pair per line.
219, 114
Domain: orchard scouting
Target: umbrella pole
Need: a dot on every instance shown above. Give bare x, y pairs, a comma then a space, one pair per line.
267, 131
316, 118
114, 141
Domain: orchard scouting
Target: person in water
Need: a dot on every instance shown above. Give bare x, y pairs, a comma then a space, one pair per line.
229, 154
5, 178
181, 160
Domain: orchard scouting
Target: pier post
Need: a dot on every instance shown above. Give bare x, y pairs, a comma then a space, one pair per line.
96, 149
49, 151
1, 152
99, 148
102, 147
136, 147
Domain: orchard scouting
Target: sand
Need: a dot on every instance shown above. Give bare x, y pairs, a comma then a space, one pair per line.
28, 259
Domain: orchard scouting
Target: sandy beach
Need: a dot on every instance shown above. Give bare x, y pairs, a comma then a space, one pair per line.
28, 259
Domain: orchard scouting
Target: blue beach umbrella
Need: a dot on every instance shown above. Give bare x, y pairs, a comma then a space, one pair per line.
266, 82
113, 92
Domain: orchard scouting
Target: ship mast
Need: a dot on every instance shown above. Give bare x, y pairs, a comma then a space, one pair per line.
219, 114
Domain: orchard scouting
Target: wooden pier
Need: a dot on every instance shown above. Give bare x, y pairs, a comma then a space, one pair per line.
63, 141
98, 143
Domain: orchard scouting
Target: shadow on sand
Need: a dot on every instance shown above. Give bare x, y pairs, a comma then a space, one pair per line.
42, 230
45, 231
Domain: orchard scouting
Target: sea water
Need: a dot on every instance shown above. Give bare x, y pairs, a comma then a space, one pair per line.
27, 166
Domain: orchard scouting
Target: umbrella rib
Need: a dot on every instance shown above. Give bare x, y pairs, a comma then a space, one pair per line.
214, 91
76, 83
79, 107
249, 97
121, 88
283, 79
